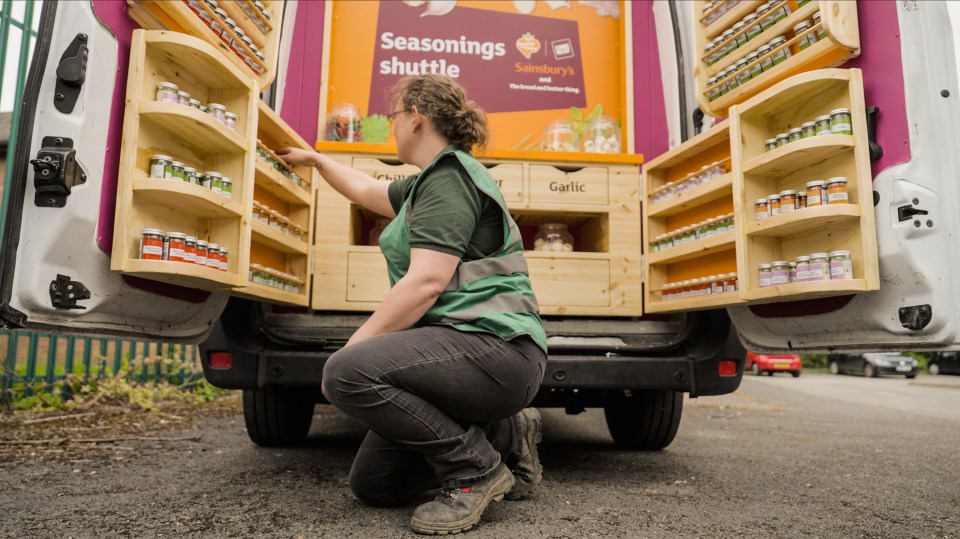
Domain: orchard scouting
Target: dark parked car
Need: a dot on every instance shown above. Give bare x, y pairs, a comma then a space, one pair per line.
874, 364
944, 363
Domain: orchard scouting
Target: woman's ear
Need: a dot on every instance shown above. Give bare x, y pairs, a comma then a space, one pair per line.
415, 118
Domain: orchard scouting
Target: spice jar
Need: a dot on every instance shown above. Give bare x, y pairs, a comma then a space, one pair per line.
782, 139
815, 192
801, 200
343, 123
560, 136
230, 120
213, 256
773, 202
779, 273
730, 282
737, 31
823, 125
190, 250
788, 200
217, 110
753, 60
808, 129
819, 267
160, 166
714, 90
194, 104
840, 123
770, 144
213, 181
816, 20
151, 244
226, 187
804, 41
766, 275
602, 136
753, 29
763, 14
201, 253
743, 74
553, 237
837, 191
167, 92
793, 272
766, 61
761, 208
803, 269
189, 174
794, 134
840, 265
378, 226
176, 171
223, 260
781, 55
176, 246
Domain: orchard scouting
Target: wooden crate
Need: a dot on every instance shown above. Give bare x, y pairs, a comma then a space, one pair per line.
840, 42
176, 16
759, 173
196, 139
596, 196
269, 247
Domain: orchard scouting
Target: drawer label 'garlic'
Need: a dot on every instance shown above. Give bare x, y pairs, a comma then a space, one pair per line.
569, 187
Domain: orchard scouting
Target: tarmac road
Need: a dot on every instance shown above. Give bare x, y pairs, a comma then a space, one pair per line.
817, 456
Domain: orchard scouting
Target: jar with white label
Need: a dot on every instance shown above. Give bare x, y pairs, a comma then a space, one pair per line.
201, 259
190, 175
218, 111
840, 265
773, 202
808, 129
151, 244
176, 246
176, 171
779, 273
766, 60
765, 275
823, 126
753, 28
161, 166
213, 256
840, 123
793, 272
770, 144
816, 190
819, 267
753, 60
781, 55
230, 120
761, 208
167, 92
190, 250
803, 269
837, 191
794, 134
782, 139
213, 180
788, 200
226, 187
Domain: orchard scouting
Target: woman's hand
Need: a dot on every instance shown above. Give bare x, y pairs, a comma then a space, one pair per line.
299, 157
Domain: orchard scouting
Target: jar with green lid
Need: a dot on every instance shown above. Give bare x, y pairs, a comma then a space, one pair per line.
782, 139
840, 123
808, 129
823, 125
167, 92
213, 180
781, 55
770, 144
743, 74
176, 171
766, 60
816, 20
765, 275
753, 28
226, 187
794, 134
161, 166
753, 60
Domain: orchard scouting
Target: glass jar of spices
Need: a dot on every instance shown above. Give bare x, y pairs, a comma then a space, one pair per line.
819, 267
770, 144
190, 250
781, 55
213, 181
230, 120
804, 40
201, 253
176, 246
753, 29
779, 273
782, 139
816, 189
183, 98
837, 191
816, 20
803, 269
840, 265
213, 255
176, 171
189, 174
808, 129
224, 260
765, 275
753, 60
794, 134
194, 103
788, 200
840, 123
766, 60
217, 110
773, 202
226, 187
161, 166
823, 125
167, 92
761, 208
151, 244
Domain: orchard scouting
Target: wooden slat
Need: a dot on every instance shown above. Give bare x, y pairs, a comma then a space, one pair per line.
279, 185
180, 273
727, 20
186, 197
715, 189
272, 295
796, 155
724, 241
193, 127
804, 220
263, 233
712, 301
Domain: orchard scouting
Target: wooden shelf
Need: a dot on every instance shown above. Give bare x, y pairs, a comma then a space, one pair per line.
711, 301
269, 293
808, 290
796, 155
192, 128
278, 185
575, 255
786, 25
713, 190
716, 243
189, 198
570, 158
805, 220
180, 273
265, 235
741, 10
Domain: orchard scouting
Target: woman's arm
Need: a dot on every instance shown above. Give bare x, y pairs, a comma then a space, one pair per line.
358, 187
412, 296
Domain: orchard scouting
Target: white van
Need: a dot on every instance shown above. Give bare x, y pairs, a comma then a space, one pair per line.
65, 196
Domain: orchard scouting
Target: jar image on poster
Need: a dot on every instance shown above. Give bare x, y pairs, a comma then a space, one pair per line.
343, 123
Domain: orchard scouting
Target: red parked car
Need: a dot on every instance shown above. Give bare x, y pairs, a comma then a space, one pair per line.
771, 363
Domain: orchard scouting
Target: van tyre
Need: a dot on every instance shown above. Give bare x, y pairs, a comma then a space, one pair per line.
643, 420
277, 416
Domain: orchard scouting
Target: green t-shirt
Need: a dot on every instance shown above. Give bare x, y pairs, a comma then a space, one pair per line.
450, 214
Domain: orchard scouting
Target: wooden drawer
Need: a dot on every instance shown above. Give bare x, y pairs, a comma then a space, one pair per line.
564, 282
384, 171
577, 185
367, 277
509, 178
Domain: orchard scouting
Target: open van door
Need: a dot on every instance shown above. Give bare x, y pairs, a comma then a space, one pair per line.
59, 228
909, 68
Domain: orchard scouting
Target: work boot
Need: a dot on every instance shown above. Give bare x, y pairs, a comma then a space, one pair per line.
456, 510
528, 470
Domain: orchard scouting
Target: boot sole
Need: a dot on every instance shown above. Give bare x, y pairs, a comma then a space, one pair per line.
497, 491
534, 440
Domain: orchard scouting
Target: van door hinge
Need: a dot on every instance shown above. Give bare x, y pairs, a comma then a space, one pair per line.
56, 172
65, 293
71, 72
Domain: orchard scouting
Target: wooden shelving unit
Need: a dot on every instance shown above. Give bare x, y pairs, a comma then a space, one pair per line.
711, 255
600, 278
804, 231
841, 41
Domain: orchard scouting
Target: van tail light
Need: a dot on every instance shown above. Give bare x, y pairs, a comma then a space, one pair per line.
220, 360
728, 367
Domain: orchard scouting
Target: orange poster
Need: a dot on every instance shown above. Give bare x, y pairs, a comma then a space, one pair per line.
526, 62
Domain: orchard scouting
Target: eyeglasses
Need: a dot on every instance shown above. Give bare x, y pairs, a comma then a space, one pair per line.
393, 114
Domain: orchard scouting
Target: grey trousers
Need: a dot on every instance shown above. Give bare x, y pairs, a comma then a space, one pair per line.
442, 406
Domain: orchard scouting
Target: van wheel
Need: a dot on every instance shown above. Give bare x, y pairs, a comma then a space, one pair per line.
277, 416
834, 368
645, 420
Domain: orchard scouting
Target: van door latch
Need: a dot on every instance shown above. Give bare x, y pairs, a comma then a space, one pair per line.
55, 172
71, 73
65, 293
905, 213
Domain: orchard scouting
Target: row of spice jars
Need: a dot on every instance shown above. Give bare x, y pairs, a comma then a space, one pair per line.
229, 32
168, 92
163, 167
746, 68
746, 29
835, 265
838, 122
277, 220
714, 9
156, 244
704, 286
694, 179
268, 157
275, 278
703, 229
818, 193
